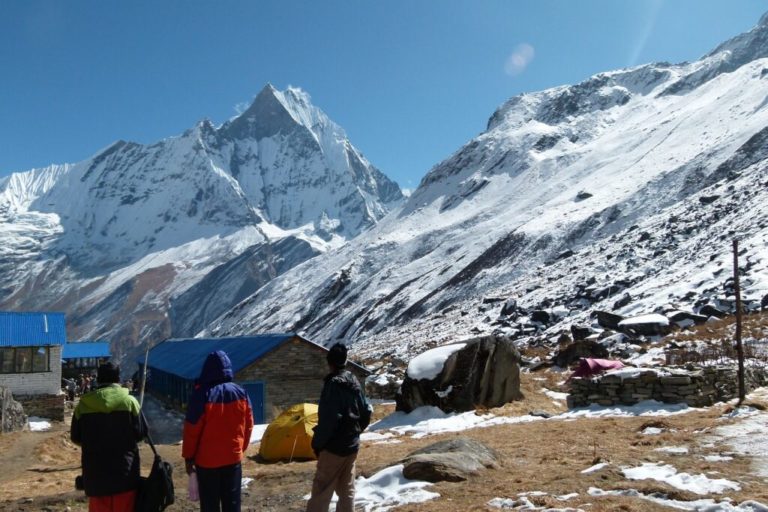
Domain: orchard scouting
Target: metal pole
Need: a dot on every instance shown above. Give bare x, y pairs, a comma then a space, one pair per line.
739, 346
144, 377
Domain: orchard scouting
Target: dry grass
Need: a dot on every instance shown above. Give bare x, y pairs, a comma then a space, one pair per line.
541, 456
754, 325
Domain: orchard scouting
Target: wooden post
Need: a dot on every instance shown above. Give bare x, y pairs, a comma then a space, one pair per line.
739, 346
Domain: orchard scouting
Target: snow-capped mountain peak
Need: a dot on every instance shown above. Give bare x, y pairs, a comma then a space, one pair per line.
140, 226
632, 180
266, 117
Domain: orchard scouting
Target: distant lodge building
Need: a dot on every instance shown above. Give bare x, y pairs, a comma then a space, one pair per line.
30, 361
83, 357
277, 370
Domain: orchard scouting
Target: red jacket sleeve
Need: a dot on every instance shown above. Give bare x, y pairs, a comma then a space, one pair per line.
248, 425
191, 439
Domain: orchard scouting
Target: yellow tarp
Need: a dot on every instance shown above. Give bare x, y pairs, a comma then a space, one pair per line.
289, 436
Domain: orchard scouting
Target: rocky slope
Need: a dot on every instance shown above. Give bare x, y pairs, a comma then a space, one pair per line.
621, 193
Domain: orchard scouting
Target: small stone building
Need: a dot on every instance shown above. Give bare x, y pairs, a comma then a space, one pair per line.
277, 370
30, 361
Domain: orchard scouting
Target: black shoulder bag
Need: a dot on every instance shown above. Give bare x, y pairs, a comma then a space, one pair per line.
156, 490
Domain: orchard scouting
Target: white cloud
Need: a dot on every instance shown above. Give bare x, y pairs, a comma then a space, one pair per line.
241, 107
519, 60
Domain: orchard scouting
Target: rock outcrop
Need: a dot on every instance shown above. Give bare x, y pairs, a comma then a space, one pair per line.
11, 411
575, 351
454, 460
485, 372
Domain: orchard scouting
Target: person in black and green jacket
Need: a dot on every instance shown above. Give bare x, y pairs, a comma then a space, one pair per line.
108, 425
343, 413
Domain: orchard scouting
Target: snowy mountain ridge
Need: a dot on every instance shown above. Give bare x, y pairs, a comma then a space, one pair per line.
137, 226
629, 183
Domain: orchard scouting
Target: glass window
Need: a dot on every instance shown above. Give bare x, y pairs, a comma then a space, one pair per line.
23, 359
40, 360
6, 360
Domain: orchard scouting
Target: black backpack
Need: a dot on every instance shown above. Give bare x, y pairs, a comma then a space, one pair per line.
156, 490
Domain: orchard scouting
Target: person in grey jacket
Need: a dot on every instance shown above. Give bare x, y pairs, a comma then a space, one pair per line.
343, 413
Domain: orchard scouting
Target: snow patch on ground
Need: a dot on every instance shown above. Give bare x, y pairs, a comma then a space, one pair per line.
746, 437
554, 395
703, 505
698, 484
523, 503
430, 420
39, 424
673, 450
387, 489
717, 458
596, 467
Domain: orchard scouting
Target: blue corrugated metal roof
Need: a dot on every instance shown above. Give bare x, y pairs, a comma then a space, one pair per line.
73, 350
185, 357
27, 329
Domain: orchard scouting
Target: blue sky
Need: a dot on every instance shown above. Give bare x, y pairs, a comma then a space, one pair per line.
410, 81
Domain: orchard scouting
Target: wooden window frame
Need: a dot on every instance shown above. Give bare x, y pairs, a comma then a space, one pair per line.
33, 351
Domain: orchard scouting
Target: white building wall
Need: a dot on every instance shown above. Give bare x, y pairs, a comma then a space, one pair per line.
45, 383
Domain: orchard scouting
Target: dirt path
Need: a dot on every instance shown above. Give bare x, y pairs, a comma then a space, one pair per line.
39, 469
16, 448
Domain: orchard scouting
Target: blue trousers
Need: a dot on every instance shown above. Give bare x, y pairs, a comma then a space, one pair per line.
220, 488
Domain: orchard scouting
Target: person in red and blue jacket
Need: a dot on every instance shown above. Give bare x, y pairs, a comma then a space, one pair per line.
217, 431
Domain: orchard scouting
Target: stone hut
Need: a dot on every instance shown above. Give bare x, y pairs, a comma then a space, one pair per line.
277, 370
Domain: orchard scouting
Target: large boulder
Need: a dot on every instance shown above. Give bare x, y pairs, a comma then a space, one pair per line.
581, 332
646, 325
608, 320
709, 310
483, 372
454, 460
686, 319
383, 386
578, 350
11, 411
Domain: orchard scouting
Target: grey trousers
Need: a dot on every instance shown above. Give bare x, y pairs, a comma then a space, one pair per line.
334, 473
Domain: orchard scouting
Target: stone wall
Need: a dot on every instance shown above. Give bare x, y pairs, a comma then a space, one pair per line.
292, 373
43, 406
694, 386
12, 417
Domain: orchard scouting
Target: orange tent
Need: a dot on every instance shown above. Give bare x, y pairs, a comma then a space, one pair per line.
289, 436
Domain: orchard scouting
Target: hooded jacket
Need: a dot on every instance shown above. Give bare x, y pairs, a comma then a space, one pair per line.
108, 425
343, 413
219, 420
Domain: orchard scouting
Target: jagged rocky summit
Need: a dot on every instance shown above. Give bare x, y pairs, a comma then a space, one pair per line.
141, 242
